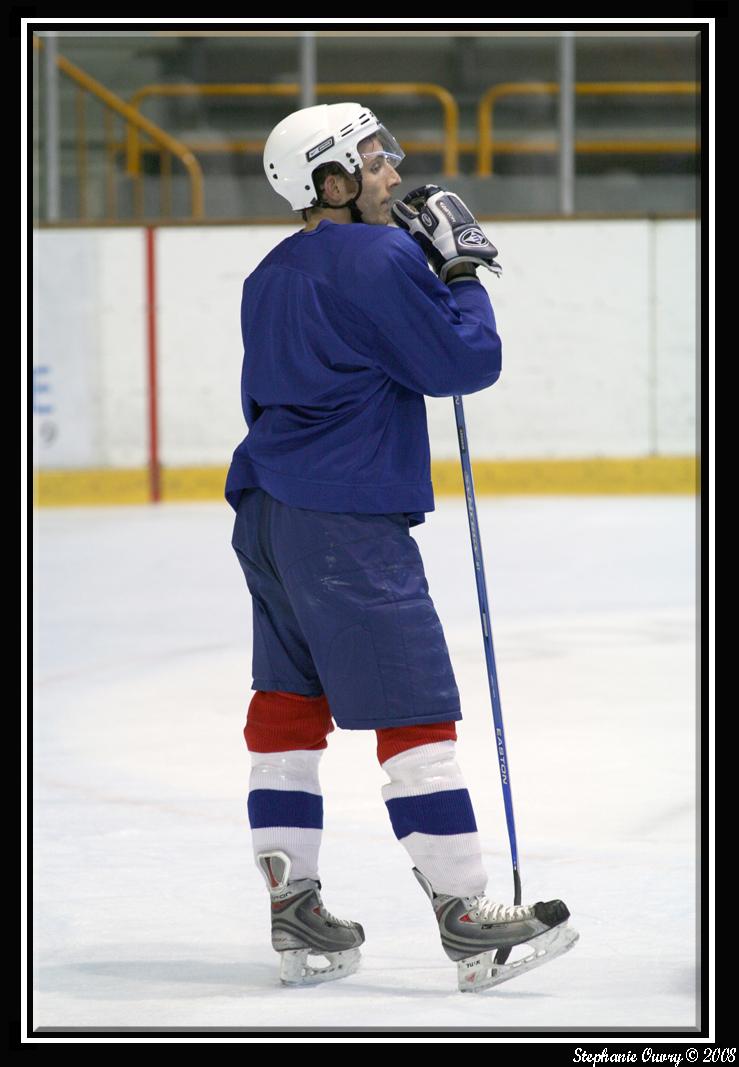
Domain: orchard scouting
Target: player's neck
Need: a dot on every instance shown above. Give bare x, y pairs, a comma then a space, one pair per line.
342, 216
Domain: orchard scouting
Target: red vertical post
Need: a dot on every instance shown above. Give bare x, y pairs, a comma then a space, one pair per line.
155, 488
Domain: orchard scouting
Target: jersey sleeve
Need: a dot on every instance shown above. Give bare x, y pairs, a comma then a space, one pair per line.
435, 339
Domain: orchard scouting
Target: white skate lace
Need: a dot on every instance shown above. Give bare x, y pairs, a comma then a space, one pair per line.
487, 911
332, 918
325, 914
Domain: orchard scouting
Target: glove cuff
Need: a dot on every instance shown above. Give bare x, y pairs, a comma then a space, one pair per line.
464, 278
473, 261
470, 266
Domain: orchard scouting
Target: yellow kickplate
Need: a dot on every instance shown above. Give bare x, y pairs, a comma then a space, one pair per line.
654, 474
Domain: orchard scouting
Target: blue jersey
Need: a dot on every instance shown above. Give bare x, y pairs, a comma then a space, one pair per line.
345, 329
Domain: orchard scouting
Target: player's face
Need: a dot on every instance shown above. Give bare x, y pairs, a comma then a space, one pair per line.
379, 178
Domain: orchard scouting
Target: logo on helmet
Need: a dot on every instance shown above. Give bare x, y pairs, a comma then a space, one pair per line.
473, 237
319, 148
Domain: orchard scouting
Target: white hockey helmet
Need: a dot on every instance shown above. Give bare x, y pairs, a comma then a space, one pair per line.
327, 133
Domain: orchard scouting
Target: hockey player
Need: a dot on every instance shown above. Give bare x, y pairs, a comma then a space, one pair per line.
345, 328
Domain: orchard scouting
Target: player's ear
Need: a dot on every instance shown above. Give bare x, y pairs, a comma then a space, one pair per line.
336, 188
330, 188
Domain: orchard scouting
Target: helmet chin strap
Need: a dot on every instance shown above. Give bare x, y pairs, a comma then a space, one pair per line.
354, 211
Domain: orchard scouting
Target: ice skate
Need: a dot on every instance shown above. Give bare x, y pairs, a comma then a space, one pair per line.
474, 928
302, 927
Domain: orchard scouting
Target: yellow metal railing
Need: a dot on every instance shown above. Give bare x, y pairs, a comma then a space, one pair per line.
133, 120
499, 92
448, 147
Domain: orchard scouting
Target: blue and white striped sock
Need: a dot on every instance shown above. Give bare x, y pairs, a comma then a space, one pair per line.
286, 807
431, 813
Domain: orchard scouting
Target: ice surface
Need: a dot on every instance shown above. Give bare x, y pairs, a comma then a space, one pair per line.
148, 909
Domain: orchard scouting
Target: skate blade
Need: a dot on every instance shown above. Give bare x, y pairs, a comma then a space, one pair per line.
476, 973
295, 969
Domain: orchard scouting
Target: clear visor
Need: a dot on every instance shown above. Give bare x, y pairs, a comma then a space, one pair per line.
379, 149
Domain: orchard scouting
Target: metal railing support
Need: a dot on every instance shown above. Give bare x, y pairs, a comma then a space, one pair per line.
51, 124
307, 69
567, 123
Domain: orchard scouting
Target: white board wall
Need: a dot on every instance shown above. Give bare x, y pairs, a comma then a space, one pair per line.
598, 322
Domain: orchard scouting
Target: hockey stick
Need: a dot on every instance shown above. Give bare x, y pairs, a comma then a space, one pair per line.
482, 596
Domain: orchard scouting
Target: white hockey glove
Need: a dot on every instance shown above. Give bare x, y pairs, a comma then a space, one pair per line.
446, 230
